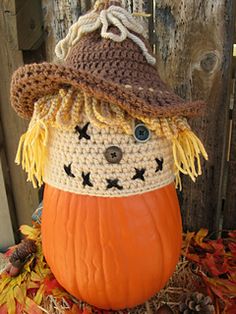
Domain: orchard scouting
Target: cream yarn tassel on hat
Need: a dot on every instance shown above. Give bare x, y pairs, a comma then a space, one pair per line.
102, 17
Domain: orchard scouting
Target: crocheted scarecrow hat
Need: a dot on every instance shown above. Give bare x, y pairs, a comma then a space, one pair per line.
105, 55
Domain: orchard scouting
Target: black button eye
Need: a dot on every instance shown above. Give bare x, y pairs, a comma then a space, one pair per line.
141, 133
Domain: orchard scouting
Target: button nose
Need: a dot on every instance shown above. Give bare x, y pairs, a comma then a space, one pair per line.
113, 154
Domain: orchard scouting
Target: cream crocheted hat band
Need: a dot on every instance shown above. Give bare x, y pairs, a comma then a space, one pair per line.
68, 108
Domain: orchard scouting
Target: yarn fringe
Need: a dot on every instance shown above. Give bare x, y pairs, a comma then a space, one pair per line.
65, 110
187, 149
32, 152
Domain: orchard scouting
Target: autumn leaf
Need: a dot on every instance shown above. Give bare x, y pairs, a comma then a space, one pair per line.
11, 304
232, 234
186, 242
19, 294
215, 265
51, 284
39, 295
3, 309
31, 307
201, 235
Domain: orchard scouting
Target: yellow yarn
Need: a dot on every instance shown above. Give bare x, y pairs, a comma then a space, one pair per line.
32, 151
64, 110
187, 149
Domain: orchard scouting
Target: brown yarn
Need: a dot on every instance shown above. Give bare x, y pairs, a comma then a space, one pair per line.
116, 72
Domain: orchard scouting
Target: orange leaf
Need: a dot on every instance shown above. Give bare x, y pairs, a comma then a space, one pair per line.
201, 234
186, 243
31, 307
3, 309
215, 266
19, 294
11, 304
39, 295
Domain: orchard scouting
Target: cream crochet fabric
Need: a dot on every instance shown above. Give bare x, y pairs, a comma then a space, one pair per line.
85, 158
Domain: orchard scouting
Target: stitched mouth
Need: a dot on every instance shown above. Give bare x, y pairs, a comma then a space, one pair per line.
114, 183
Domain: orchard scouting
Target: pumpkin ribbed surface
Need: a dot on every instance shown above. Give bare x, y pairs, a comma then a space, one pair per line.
113, 253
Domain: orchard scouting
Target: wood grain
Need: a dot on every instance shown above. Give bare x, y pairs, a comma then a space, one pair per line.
25, 198
192, 46
59, 15
229, 221
7, 219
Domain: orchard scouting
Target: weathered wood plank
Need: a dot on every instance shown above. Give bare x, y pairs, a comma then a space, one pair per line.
6, 229
6, 224
192, 46
29, 25
59, 15
25, 198
229, 221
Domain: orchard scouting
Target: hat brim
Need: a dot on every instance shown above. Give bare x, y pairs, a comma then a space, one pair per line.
33, 81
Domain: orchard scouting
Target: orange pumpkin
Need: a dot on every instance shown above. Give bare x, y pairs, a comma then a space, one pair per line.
112, 252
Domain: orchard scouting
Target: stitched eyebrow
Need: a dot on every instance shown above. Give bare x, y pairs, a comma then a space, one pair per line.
83, 131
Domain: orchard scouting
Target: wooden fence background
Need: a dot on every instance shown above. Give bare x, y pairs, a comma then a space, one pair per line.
193, 43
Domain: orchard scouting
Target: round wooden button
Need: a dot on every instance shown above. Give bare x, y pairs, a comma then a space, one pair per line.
113, 154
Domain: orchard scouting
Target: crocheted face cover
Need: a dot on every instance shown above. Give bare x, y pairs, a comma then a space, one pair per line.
106, 162
79, 144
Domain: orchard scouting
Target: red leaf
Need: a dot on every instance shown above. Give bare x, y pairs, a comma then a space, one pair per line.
232, 247
232, 234
3, 309
216, 266
50, 285
86, 310
19, 308
231, 308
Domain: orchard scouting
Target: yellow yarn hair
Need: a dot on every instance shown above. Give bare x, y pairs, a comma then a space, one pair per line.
32, 152
65, 110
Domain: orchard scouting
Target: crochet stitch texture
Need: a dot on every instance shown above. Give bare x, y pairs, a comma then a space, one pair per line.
70, 159
116, 72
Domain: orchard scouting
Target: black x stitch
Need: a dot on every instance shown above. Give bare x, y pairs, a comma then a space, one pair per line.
68, 170
113, 184
86, 179
159, 164
139, 174
83, 131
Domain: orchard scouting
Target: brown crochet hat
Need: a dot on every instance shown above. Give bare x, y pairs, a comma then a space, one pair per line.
114, 66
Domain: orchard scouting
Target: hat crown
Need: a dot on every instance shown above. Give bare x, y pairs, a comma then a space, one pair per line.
121, 63
102, 18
